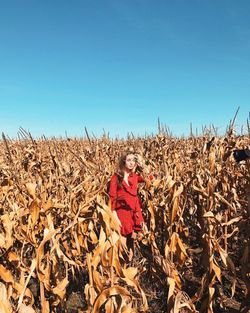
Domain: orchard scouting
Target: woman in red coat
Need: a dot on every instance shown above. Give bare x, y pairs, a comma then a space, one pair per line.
125, 203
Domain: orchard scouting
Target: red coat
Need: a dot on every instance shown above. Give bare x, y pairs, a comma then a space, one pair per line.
125, 201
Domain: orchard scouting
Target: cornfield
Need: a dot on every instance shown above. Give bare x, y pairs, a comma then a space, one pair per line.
61, 250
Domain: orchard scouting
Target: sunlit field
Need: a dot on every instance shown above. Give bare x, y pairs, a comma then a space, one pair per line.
61, 249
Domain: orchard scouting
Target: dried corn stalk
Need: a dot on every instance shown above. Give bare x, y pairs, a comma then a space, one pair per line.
58, 237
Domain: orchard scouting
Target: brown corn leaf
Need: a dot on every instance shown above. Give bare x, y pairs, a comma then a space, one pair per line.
175, 201
107, 293
32, 268
5, 306
217, 271
34, 212
8, 226
211, 291
26, 309
13, 257
31, 188
6, 275
60, 288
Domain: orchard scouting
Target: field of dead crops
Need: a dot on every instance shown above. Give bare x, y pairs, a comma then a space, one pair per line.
61, 250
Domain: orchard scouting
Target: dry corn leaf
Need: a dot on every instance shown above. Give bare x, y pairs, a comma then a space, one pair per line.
34, 212
211, 291
6, 275
208, 214
211, 160
60, 288
107, 293
152, 219
32, 268
26, 309
128, 309
232, 221
181, 301
129, 276
175, 200
5, 306
229, 264
2, 240
44, 302
13, 257
171, 284
8, 226
48, 204
31, 188
217, 271
90, 294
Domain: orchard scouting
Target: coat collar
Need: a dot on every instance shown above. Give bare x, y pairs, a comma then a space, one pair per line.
132, 187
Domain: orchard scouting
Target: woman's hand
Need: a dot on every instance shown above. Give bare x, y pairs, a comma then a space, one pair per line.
134, 235
148, 180
150, 177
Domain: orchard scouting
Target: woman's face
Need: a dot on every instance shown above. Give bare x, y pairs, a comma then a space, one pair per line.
130, 162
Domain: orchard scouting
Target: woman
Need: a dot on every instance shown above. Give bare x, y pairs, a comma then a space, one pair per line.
125, 203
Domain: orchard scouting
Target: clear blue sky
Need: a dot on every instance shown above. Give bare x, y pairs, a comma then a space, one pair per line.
118, 65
